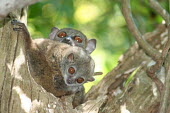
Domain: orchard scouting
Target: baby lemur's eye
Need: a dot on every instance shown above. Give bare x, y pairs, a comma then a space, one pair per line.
71, 70
62, 34
80, 80
78, 39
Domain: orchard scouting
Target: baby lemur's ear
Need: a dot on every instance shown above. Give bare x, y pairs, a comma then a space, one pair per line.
54, 30
70, 57
98, 73
91, 45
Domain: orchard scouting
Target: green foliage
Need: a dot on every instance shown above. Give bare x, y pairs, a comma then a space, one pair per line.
99, 19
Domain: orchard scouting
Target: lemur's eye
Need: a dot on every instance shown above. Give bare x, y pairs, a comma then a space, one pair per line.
78, 39
80, 80
71, 70
62, 34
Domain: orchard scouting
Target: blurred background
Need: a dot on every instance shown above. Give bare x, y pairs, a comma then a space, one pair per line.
99, 19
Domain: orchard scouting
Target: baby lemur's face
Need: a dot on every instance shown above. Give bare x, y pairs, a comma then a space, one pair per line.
70, 36
73, 37
77, 67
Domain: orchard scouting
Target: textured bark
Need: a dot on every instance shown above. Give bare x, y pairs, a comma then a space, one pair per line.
140, 95
19, 93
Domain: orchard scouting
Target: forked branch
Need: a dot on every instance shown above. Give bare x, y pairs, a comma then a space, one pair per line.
165, 104
149, 50
154, 54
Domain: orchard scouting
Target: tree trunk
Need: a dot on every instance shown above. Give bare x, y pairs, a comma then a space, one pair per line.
19, 93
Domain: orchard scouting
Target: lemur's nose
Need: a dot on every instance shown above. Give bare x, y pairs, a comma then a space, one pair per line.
68, 38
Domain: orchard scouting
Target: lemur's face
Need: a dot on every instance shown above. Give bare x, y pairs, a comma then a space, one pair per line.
77, 67
70, 36
73, 37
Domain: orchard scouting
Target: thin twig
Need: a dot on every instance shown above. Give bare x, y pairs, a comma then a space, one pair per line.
149, 50
165, 50
160, 10
151, 73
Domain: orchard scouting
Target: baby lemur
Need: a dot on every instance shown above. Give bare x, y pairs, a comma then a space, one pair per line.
59, 68
73, 37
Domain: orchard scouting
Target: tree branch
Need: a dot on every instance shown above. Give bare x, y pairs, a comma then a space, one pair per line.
160, 10
151, 73
166, 92
157, 7
154, 54
166, 49
113, 81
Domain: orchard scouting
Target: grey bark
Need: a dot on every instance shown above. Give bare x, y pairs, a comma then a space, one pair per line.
141, 94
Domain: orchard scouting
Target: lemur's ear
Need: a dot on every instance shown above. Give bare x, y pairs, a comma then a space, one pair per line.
91, 45
97, 73
70, 57
91, 79
54, 30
